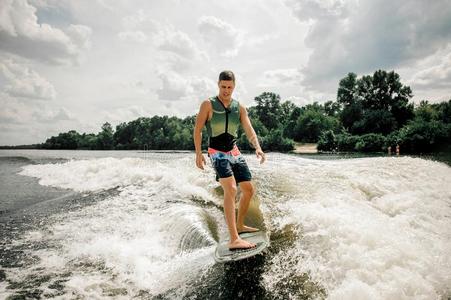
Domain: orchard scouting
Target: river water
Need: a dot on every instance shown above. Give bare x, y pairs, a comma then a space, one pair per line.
128, 224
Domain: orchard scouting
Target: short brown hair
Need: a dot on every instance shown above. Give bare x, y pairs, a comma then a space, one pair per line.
227, 75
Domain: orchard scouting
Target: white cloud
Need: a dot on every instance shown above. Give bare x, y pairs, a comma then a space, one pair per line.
362, 36
436, 72
260, 40
174, 62
299, 101
123, 114
133, 36
13, 111
20, 134
141, 27
79, 35
280, 77
21, 34
224, 38
178, 42
23, 82
25, 113
203, 87
137, 27
136, 20
174, 87
27, 122
307, 10
177, 87
52, 115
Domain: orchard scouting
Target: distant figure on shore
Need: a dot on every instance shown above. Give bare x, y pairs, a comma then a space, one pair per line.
397, 149
389, 150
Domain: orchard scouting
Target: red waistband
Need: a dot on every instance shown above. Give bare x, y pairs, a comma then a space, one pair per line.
235, 151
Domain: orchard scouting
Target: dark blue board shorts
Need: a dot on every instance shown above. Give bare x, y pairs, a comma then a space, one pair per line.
229, 163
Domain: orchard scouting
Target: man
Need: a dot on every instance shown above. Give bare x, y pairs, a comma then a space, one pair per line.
222, 115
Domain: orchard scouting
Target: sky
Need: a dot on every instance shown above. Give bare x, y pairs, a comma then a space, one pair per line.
74, 65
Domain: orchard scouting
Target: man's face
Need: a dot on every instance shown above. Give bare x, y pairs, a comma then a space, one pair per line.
226, 88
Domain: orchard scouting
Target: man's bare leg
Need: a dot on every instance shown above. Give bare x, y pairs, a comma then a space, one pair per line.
247, 191
229, 187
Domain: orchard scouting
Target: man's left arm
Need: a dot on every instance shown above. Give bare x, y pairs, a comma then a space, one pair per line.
250, 133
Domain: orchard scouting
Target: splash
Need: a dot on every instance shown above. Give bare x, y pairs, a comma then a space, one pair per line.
371, 228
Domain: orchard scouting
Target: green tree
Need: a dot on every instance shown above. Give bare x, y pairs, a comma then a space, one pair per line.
332, 109
346, 141
426, 112
443, 111
312, 123
105, 137
327, 141
347, 90
66, 140
347, 97
275, 141
375, 121
372, 98
87, 141
268, 109
289, 129
123, 136
371, 142
286, 111
260, 130
420, 136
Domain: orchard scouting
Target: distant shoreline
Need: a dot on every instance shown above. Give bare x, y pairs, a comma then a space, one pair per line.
307, 148
302, 149
32, 146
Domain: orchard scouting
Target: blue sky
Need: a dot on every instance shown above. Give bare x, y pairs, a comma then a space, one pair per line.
77, 64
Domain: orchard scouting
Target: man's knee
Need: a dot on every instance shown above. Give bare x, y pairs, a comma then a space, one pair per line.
247, 188
229, 186
232, 189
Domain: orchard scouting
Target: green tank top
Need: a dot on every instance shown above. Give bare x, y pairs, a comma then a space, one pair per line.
222, 122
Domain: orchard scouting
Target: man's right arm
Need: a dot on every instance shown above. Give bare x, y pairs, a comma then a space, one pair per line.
201, 118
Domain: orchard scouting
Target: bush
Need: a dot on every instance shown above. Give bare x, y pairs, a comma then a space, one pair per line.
371, 142
392, 140
311, 124
327, 141
420, 136
275, 141
346, 142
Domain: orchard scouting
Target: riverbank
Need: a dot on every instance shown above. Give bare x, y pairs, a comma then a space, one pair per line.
305, 148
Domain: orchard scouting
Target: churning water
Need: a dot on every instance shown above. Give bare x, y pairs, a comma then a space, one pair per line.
127, 225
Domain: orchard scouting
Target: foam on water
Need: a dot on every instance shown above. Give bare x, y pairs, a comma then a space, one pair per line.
372, 228
127, 244
105, 173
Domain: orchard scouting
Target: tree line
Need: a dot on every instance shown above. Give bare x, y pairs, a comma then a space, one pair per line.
370, 114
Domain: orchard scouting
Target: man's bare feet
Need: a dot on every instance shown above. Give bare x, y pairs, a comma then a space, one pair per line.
240, 244
244, 228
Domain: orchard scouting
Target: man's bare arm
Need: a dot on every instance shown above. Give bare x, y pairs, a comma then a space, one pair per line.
250, 133
201, 118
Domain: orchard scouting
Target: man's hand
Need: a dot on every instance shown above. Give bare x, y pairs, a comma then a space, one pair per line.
200, 160
261, 155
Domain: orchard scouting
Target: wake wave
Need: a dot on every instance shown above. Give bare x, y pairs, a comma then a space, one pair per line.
374, 228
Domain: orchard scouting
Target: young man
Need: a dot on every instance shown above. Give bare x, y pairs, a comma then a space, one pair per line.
222, 115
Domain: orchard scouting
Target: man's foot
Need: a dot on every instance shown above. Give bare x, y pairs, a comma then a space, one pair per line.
245, 229
240, 244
